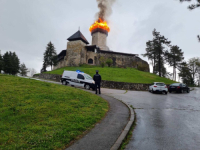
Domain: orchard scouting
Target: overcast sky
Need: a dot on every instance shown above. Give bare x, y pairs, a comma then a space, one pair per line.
26, 26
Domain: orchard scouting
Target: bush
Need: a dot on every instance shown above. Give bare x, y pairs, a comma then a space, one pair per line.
102, 61
102, 64
109, 62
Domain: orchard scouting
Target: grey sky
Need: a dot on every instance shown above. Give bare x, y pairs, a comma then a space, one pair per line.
26, 26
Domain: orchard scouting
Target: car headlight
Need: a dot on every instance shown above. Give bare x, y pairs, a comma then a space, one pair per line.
93, 82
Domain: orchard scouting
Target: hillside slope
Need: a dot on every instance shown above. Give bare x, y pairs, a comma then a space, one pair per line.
117, 74
40, 115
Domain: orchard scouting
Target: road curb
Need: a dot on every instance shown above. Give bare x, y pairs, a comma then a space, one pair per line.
126, 130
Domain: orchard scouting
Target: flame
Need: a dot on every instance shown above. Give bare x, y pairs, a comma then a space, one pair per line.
100, 24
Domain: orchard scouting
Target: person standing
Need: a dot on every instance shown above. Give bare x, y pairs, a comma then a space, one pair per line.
97, 79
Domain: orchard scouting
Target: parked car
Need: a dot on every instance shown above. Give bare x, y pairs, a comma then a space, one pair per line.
179, 88
158, 87
78, 78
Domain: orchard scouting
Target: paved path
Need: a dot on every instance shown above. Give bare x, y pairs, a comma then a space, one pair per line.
104, 134
164, 122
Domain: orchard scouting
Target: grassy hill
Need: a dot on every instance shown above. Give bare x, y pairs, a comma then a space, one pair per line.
39, 115
117, 74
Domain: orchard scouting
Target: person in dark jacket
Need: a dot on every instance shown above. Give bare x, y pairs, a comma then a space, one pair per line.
97, 79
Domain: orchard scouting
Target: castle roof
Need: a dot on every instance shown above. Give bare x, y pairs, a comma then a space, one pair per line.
61, 55
78, 36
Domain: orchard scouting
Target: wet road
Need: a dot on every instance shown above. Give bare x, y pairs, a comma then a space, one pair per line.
164, 122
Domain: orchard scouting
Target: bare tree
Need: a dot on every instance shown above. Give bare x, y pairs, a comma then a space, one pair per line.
32, 71
194, 64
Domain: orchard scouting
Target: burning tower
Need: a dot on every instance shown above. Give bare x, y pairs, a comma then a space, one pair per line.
99, 31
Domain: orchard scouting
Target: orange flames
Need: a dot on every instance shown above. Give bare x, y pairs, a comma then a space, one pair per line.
100, 24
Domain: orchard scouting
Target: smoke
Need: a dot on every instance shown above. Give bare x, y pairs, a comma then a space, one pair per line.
105, 7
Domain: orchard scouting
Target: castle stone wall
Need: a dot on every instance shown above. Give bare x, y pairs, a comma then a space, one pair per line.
60, 64
91, 55
123, 60
76, 53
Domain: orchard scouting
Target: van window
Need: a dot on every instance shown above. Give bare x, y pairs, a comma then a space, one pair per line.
88, 77
80, 76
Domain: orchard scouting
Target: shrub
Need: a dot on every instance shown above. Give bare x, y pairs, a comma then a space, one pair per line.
109, 62
102, 61
102, 64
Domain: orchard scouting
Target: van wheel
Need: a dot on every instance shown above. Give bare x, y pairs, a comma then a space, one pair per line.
87, 87
188, 91
64, 82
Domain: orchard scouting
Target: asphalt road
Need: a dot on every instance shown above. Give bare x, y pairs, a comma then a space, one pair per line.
164, 122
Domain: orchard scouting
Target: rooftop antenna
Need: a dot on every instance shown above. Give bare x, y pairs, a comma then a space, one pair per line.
79, 28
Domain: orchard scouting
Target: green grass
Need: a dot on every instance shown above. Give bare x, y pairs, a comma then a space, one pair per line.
117, 74
39, 115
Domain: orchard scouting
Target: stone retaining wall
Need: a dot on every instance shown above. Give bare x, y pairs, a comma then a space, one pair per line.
125, 86
53, 77
104, 84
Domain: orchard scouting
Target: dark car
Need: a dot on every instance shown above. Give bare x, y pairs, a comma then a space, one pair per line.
179, 88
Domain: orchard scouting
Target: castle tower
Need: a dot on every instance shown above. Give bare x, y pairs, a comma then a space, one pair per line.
76, 51
99, 38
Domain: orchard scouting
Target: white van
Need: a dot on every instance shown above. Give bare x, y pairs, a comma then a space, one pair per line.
77, 78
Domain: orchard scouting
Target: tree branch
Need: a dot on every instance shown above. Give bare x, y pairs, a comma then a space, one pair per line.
193, 6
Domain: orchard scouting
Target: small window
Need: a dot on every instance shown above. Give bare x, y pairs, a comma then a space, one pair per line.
80, 76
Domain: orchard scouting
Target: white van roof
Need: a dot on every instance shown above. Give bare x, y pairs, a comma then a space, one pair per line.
75, 72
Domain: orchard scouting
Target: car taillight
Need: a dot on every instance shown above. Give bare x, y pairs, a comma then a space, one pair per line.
165, 86
178, 87
154, 86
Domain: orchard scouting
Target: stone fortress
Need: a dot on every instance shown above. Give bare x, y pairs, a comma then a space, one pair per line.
79, 52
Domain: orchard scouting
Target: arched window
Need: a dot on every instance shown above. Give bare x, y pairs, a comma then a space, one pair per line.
90, 61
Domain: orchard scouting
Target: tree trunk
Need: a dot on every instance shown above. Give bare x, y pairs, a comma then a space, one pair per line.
154, 64
159, 64
175, 73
